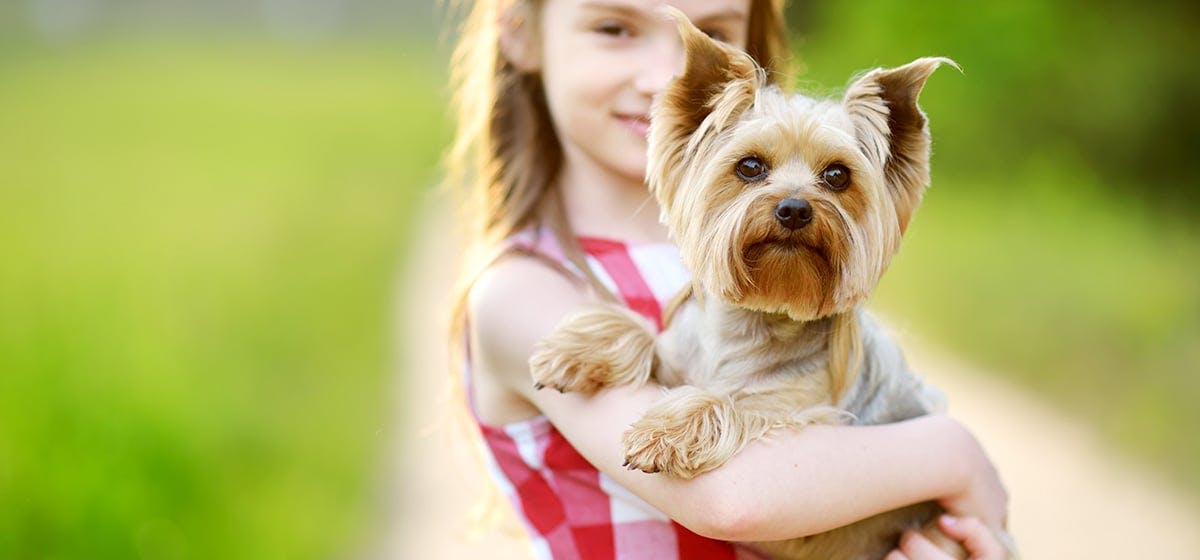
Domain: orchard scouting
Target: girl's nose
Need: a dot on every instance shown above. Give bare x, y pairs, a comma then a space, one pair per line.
664, 60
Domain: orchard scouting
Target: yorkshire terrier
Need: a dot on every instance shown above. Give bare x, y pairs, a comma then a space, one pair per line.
787, 210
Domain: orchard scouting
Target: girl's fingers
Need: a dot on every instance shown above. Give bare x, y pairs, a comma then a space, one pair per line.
914, 545
976, 537
895, 555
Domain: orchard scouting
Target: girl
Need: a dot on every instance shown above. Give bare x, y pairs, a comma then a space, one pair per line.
553, 105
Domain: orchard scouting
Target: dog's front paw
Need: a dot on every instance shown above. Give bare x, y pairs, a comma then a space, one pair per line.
601, 347
688, 433
569, 370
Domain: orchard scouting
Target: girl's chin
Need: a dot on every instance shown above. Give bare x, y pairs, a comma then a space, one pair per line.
634, 167
632, 171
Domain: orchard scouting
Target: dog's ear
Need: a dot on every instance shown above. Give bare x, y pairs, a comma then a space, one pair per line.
718, 83
892, 130
713, 74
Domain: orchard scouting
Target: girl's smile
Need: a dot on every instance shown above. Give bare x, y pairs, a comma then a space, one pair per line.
637, 124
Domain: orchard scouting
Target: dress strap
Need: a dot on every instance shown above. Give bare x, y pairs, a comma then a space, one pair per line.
619, 264
540, 244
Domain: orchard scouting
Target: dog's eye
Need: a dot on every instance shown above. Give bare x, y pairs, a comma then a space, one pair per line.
751, 169
836, 177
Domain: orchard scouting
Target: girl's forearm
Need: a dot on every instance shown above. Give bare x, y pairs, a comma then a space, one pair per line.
792, 483
802, 482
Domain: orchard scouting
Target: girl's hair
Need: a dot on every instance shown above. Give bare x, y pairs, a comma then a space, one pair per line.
506, 156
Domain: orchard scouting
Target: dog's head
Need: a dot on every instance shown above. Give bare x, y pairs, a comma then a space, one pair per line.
783, 203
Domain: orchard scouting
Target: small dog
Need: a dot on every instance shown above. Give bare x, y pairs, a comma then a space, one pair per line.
787, 210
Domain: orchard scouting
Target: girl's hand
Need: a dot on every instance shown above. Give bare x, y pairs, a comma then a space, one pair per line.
982, 495
981, 543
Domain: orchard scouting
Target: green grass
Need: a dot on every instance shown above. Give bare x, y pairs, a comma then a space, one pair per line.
200, 244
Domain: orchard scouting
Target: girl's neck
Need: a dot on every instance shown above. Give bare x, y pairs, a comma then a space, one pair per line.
602, 203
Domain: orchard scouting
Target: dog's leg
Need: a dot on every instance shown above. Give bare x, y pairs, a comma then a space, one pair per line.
793, 406
692, 430
687, 432
600, 347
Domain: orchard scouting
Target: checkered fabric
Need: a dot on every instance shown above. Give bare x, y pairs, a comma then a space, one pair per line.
572, 510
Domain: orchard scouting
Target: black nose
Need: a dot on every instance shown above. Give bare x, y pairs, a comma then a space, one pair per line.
793, 213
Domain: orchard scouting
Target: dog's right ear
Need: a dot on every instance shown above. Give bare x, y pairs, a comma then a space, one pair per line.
714, 75
717, 84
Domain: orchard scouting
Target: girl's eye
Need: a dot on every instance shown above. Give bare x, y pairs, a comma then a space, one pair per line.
716, 35
836, 177
751, 169
613, 29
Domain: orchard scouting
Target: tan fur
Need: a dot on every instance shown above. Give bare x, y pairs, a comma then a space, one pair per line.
845, 351
674, 304
604, 346
773, 337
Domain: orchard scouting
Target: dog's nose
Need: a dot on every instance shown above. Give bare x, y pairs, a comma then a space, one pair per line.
793, 213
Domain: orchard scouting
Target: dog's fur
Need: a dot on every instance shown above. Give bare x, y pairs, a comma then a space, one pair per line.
772, 336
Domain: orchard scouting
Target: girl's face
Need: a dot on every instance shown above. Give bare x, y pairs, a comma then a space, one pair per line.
602, 63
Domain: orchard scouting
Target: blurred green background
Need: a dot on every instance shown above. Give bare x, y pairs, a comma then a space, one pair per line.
204, 210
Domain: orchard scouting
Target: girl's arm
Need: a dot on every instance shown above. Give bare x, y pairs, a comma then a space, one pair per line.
791, 484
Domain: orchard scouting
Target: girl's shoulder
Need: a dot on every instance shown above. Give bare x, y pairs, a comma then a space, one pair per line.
526, 277
530, 287
516, 302
521, 289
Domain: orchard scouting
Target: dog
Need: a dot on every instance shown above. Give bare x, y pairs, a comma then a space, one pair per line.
787, 210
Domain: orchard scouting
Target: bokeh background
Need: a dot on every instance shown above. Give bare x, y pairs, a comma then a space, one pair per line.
206, 207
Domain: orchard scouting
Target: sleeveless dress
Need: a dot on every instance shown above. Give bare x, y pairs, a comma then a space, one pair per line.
570, 509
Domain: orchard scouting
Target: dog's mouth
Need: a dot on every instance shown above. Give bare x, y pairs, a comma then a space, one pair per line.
792, 245
790, 274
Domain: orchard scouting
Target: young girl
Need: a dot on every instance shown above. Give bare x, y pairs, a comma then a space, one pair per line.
553, 101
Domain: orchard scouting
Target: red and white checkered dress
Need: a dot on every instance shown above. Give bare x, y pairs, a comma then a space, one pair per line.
572, 510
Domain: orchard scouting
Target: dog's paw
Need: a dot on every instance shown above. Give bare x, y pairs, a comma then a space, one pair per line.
601, 347
647, 449
689, 433
569, 371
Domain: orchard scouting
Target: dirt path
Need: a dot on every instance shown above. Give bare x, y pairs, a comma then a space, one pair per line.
1072, 496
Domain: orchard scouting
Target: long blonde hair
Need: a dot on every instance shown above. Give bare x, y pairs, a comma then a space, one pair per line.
506, 156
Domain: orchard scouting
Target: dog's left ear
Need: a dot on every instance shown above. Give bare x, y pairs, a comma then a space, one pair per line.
892, 130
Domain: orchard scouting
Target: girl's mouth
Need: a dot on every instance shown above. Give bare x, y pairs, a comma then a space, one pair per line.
638, 125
